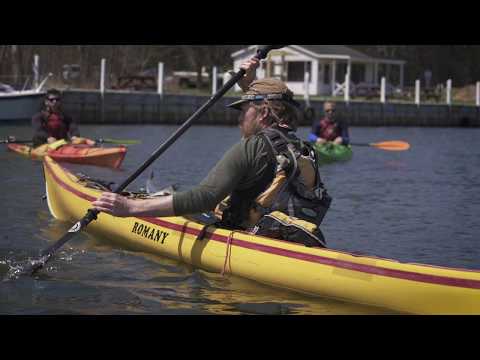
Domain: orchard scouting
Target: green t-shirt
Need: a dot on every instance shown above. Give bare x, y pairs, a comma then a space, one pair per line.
242, 165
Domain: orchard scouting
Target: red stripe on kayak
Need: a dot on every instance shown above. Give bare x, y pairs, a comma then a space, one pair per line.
369, 269
66, 186
401, 274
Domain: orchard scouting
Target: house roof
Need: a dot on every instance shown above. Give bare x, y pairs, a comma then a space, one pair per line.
328, 51
342, 50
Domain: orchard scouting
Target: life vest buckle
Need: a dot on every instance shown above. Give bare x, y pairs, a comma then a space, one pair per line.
320, 193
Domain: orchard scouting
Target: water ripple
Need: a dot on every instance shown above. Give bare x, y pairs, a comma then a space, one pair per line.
416, 206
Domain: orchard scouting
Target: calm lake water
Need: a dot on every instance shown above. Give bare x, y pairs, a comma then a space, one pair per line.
418, 206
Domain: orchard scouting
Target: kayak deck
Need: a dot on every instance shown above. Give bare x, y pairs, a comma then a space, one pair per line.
77, 154
409, 288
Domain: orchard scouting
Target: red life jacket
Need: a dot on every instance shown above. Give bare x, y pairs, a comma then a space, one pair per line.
329, 130
56, 126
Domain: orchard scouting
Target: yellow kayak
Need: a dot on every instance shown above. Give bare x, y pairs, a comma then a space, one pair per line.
408, 288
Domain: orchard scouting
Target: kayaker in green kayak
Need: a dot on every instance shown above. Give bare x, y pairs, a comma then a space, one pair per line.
330, 129
267, 184
330, 137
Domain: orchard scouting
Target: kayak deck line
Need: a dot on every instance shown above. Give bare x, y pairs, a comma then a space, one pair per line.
293, 254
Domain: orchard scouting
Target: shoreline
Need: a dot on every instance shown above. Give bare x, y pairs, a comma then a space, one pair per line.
122, 107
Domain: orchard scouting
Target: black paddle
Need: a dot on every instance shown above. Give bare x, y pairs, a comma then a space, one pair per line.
91, 215
12, 141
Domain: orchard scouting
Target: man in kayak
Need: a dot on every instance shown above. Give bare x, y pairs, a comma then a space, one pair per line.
52, 124
270, 178
329, 129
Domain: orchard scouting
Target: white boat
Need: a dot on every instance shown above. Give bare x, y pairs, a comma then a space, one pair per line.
20, 105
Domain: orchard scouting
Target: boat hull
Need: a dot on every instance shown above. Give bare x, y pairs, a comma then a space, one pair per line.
77, 154
20, 106
330, 153
408, 288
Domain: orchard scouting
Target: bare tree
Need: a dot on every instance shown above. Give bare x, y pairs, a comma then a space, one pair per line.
445, 61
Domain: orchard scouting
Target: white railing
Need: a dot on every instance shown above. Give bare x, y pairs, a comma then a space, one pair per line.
346, 88
42, 84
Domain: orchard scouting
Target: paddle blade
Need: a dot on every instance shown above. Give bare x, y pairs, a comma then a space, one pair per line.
392, 145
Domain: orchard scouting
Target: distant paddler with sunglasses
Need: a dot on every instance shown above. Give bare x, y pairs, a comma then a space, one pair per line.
329, 129
53, 126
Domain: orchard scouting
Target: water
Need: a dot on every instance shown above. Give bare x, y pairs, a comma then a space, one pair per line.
418, 206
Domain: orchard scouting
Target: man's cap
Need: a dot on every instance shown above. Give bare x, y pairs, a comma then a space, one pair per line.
265, 89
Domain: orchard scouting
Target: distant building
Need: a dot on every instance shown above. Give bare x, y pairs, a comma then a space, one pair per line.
327, 66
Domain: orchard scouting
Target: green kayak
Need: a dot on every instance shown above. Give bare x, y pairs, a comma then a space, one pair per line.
329, 153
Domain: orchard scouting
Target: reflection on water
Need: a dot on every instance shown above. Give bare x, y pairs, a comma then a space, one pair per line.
419, 206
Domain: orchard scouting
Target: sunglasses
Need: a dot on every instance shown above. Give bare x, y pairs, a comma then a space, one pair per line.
53, 99
330, 111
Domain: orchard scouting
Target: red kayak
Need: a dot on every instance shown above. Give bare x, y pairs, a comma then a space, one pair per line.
77, 154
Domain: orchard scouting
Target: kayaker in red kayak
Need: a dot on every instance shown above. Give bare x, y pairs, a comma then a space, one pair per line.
53, 124
330, 129
271, 177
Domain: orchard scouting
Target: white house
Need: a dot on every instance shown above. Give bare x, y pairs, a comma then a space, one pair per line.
330, 68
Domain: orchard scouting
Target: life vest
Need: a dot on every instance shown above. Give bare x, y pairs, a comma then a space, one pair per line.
329, 130
55, 125
289, 202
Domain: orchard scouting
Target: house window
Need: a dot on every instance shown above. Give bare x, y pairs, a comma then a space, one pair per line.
382, 71
297, 69
358, 73
394, 75
326, 76
341, 70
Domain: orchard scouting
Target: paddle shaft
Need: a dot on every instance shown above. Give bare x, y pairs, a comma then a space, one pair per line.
46, 254
186, 125
92, 213
117, 141
357, 144
15, 142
